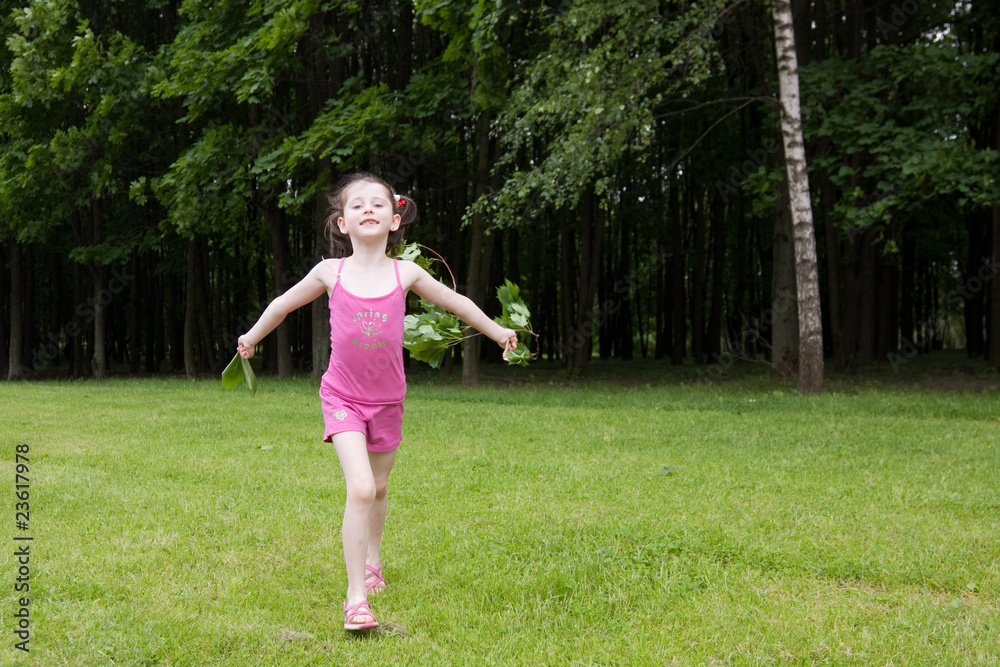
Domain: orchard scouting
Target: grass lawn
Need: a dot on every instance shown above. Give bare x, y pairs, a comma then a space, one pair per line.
535, 522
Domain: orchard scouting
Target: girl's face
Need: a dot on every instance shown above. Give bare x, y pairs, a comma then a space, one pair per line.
368, 211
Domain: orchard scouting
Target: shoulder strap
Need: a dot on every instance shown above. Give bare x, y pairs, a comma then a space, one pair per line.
395, 265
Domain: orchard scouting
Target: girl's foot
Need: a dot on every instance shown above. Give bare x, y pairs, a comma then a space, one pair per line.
359, 616
374, 581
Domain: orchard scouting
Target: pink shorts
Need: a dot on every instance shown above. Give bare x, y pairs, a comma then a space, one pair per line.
382, 424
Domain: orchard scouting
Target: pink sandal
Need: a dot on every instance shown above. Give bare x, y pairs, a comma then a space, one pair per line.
374, 581
352, 613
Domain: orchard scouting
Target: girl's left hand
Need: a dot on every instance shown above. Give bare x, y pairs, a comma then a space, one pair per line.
508, 342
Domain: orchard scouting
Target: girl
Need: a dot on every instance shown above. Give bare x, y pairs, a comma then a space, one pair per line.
362, 390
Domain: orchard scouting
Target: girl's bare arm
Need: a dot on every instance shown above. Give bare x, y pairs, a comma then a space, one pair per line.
305, 291
429, 289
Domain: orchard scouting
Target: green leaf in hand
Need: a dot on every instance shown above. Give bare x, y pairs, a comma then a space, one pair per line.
238, 371
519, 356
515, 316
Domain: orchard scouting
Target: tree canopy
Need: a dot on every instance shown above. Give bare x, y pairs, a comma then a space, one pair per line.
164, 165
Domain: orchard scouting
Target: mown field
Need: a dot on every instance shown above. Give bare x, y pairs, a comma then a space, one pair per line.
642, 517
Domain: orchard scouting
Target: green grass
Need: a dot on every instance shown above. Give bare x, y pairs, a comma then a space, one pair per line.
530, 523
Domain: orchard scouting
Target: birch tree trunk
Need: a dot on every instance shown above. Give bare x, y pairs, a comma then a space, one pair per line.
810, 380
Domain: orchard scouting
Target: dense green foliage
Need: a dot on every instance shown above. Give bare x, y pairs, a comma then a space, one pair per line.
163, 166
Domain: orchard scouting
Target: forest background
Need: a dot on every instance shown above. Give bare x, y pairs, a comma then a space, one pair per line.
163, 168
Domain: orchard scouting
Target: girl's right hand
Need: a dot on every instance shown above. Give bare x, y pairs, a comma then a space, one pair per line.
244, 350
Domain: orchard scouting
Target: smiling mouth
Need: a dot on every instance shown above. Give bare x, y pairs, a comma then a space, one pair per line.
369, 221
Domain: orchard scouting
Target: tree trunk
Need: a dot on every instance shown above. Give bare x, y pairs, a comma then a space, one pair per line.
994, 332
4, 308
834, 276
153, 309
99, 360
78, 323
320, 309
217, 288
190, 314
677, 292
866, 320
133, 342
567, 310
784, 333
205, 322
15, 368
810, 379
591, 238
908, 293
994, 323
887, 310
697, 221
480, 253
622, 297
279, 247
714, 338
973, 293
29, 343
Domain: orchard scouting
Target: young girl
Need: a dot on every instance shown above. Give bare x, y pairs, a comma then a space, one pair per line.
362, 390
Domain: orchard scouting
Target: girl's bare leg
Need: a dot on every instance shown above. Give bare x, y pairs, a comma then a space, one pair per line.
381, 466
352, 450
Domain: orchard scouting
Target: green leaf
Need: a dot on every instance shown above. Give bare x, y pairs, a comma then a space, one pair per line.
250, 377
515, 315
519, 356
238, 371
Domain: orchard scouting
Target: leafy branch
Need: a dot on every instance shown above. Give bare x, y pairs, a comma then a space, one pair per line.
428, 335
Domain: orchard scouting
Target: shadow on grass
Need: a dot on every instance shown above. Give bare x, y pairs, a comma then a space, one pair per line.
384, 631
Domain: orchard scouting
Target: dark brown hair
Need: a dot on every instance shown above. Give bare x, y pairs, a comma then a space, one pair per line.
340, 243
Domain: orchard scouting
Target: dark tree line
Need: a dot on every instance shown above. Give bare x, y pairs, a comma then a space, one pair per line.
163, 167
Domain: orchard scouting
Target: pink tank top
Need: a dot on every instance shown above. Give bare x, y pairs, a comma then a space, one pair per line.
366, 344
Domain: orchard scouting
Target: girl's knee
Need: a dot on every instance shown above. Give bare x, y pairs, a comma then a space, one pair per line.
361, 492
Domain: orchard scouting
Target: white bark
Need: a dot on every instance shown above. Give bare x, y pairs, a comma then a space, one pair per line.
810, 380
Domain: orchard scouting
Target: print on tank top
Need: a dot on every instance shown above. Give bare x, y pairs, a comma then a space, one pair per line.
370, 324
